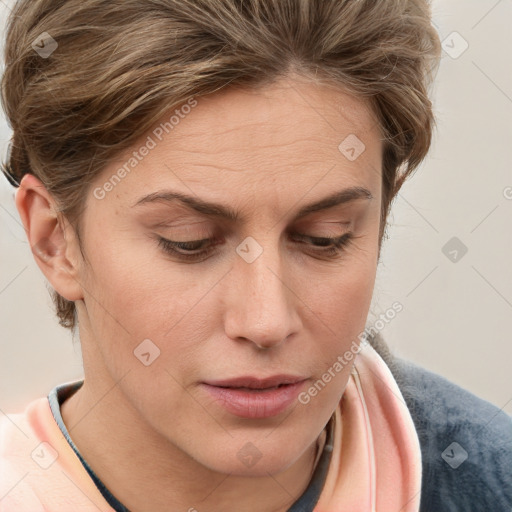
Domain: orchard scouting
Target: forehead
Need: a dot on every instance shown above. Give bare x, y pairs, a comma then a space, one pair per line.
294, 110
270, 142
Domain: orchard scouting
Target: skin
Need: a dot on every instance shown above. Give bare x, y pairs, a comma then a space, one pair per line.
265, 153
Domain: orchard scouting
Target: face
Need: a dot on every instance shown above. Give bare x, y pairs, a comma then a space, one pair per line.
190, 304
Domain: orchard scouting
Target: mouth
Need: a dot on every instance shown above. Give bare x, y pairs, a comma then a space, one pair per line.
257, 383
252, 397
254, 390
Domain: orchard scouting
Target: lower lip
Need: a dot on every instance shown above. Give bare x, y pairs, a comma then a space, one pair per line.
256, 404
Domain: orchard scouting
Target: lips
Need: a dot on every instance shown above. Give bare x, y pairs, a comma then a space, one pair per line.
256, 383
252, 397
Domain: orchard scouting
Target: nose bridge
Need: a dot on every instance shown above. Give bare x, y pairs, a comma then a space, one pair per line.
260, 310
263, 279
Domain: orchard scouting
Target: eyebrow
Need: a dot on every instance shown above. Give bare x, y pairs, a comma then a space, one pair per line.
221, 211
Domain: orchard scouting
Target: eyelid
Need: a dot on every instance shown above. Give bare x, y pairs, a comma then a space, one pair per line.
334, 247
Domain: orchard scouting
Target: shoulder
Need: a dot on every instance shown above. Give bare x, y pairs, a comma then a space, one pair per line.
38, 468
466, 442
18, 450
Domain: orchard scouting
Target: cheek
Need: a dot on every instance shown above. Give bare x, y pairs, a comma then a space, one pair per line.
341, 299
143, 295
340, 304
131, 295
129, 280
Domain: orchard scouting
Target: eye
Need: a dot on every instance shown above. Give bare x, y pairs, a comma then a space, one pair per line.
191, 250
195, 250
330, 247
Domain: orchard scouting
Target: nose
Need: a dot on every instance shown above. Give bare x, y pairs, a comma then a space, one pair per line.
261, 305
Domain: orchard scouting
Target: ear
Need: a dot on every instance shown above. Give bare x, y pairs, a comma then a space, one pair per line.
52, 239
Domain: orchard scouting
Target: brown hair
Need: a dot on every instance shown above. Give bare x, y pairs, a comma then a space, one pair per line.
117, 70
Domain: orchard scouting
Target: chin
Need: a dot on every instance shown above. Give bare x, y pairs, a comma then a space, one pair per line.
251, 456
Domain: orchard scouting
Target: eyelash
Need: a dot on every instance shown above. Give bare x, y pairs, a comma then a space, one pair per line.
335, 246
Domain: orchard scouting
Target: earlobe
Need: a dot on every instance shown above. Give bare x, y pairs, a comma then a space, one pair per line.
52, 240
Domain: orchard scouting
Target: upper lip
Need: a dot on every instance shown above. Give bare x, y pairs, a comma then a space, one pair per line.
255, 382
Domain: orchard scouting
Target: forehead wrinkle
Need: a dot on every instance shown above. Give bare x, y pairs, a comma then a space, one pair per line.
254, 166
319, 149
214, 143
196, 166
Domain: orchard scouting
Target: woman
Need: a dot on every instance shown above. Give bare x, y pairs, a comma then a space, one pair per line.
205, 184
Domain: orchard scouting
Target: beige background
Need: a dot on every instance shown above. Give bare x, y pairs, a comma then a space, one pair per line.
456, 315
